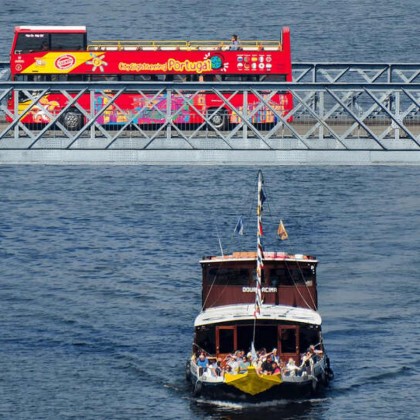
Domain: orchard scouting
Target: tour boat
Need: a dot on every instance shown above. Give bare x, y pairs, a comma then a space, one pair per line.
258, 336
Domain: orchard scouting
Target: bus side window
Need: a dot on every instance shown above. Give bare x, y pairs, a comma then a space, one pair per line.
58, 78
77, 77
233, 78
68, 42
273, 78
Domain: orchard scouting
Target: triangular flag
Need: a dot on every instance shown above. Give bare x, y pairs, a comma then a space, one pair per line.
281, 231
239, 229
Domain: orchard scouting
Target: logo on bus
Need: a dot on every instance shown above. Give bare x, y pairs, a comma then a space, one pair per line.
65, 62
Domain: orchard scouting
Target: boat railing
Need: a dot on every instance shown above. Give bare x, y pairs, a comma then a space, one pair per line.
309, 371
204, 374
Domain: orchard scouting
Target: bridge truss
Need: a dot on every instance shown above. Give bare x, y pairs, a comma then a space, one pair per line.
336, 107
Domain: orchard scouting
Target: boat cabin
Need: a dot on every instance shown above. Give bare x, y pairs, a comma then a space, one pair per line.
286, 280
288, 320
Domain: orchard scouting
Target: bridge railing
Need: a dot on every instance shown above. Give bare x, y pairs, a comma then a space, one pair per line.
333, 115
356, 72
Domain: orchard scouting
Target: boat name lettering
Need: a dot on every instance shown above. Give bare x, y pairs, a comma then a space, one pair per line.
263, 289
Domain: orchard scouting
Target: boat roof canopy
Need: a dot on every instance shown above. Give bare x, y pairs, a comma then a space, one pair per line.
231, 313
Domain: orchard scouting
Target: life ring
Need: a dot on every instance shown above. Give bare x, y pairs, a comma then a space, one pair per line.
329, 373
314, 385
198, 387
188, 371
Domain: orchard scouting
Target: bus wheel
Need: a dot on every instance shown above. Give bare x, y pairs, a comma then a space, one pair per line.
72, 120
217, 119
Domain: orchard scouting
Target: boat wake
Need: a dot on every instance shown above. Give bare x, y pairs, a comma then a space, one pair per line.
266, 404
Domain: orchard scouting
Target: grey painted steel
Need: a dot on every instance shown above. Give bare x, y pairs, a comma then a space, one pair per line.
210, 157
356, 72
338, 119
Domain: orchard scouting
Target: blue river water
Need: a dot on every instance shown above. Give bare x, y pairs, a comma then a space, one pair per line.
100, 284
99, 272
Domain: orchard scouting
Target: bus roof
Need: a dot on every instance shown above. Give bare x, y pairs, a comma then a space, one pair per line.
52, 29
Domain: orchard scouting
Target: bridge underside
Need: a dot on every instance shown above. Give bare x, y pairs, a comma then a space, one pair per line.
210, 157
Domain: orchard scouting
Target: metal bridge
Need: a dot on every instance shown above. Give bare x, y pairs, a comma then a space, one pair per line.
343, 113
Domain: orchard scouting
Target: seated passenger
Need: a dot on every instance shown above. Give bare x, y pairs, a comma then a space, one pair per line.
275, 368
215, 368
315, 354
234, 364
291, 368
244, 365
267, 366
274, 355
202, 363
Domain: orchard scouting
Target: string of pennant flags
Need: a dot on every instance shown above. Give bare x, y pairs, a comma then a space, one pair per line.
281, 232
260, 250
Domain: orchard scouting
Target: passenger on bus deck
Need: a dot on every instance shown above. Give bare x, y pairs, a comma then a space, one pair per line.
44, 46
234, 45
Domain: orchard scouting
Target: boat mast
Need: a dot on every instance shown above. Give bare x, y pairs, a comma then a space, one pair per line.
260, 250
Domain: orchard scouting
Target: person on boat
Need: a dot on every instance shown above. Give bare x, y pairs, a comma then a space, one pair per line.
315, 353
244, 365
215, 368
291, 368
233, 364
274, 355
267, 365
276, 368
310, 357
202, 363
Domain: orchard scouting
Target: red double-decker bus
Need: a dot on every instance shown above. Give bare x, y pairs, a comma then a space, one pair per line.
62, 53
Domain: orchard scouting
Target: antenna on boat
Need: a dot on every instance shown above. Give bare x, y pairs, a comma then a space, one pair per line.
220, 241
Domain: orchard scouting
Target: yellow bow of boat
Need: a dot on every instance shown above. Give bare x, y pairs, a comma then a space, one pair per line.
251, 382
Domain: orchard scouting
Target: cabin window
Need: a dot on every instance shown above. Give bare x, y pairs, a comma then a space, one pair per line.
307, 337
205, 339
254, 276
291, 275
228, 276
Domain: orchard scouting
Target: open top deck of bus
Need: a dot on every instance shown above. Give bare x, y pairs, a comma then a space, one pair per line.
183, 45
